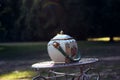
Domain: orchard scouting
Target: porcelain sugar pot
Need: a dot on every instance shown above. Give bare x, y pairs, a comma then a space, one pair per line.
63, 48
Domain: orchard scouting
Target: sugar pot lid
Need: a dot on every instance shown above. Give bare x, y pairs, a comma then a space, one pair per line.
62, 36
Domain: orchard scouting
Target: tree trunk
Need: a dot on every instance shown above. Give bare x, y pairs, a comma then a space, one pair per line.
111, 39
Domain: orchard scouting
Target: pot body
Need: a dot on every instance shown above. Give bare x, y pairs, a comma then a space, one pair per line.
67, 44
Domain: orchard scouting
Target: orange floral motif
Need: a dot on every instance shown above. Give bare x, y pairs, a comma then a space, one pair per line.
56, 44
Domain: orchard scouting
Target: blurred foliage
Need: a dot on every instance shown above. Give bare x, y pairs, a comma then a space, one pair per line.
38, 20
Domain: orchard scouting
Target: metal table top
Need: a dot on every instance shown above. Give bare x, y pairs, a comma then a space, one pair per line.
51, 64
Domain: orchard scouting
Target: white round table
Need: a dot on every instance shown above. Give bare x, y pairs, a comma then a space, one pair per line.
53, 65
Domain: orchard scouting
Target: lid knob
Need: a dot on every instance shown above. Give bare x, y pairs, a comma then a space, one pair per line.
61, 32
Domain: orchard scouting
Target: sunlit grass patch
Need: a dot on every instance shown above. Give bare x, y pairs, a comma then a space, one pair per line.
99, 39
104, 39
116, 38
17, 75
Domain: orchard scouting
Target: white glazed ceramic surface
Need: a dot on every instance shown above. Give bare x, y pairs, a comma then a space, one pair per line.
67, 43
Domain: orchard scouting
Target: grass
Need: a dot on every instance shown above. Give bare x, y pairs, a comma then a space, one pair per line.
17, 75
104, 39
21, 50
109, 70
99, 49
13, 51
38, 51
